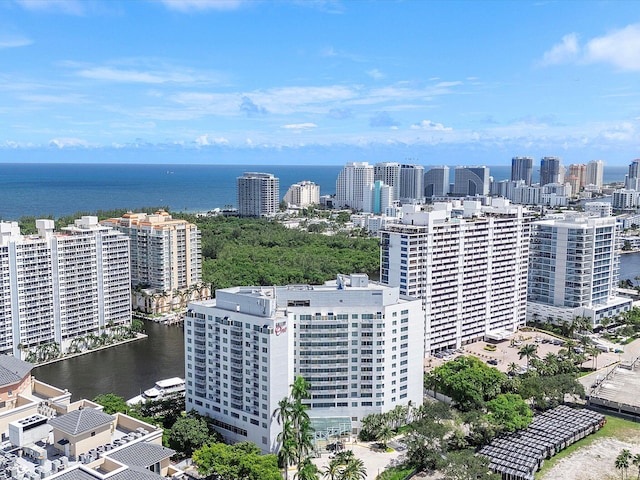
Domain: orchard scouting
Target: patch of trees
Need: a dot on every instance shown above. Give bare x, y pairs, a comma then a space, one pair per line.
232, 462
239, 251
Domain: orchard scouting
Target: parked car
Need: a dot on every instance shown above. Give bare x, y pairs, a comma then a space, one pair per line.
492, 361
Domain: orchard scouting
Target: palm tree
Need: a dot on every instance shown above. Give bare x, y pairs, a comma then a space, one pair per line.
529, 351
636, 462
284, 411
288, 451
353, 470
307, 470
513, 368
622, 461
300, 388
332, 471
594, 352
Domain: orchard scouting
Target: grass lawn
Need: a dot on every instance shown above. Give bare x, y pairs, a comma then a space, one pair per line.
395, 473
614, 428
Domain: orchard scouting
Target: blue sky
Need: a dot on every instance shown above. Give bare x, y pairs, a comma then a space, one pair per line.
232, 81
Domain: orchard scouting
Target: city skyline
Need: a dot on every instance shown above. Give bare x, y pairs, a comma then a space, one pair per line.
233, 81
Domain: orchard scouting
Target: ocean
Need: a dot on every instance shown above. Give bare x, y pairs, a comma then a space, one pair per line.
40, 190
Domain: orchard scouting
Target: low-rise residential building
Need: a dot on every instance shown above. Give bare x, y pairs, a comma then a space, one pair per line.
46, 435
359, 345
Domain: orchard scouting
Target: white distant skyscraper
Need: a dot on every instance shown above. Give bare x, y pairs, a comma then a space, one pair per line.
389, 173
57, 287
521, 169
258, 194
303, 194
358, 344
595, 173
574, 269
471, 181
468, 264
411, 183
436, 182
380, 198
352, 185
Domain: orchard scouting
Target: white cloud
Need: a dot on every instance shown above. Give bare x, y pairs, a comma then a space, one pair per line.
134, 76
202, 5
564, 52
620, 48
14, 41
300, 126
448, 84
376, 74
431, 126
206, 140
68, 142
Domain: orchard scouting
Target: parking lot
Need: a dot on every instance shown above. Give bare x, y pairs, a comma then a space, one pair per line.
507, 351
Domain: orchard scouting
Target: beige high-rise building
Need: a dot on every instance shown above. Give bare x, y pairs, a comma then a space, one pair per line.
165, 252
303, 194
166, 260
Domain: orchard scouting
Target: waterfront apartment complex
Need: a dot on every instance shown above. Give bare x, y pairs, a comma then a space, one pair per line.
165, 252
359, 345
468, 264
574, 269
258, 194
55, 287
303, 194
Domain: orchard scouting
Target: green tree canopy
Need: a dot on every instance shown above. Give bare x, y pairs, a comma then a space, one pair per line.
112, 403
233, 462
509, 412
468, 381
188, 434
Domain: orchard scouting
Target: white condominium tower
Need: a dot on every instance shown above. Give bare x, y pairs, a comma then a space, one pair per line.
595, 173
467, 263
358, 344
165, 252
55, 287
258, 194
389, 173
411, 183
574, 269
353, 184
303, 194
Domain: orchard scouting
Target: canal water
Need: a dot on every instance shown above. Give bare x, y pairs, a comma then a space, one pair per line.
125, 369
630, 267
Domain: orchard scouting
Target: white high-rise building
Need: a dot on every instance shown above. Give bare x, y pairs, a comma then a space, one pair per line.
352, 185
358, 344
380, 198
595, 173
574, 269
57, 287
411, 183
389, 173
165, 252
468, 263
258, 194
303, 194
